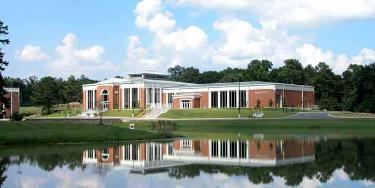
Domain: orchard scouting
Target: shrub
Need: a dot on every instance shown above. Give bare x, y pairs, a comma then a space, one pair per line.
16, 116
270, 103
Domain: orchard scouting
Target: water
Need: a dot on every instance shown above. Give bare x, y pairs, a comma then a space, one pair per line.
256, 162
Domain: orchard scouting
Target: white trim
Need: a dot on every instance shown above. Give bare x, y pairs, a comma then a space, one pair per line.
85, 88
12, 89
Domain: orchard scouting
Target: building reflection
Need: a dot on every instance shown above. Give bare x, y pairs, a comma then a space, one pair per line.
154, 156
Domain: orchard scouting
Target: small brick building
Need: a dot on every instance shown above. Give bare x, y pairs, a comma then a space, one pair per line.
13, 95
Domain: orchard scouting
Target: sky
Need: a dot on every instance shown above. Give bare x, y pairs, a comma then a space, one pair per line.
103, 39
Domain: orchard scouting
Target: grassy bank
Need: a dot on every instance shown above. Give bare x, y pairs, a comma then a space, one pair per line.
271, 128
124, 113
32, 132
222, 113
346, 114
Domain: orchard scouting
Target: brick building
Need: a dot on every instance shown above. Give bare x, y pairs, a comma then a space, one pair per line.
13, 95
155, 90
154, 156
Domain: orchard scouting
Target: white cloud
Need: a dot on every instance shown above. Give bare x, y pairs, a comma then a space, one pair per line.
31, 53
170, 45
30, 182
291, 12
71, 60
239, 41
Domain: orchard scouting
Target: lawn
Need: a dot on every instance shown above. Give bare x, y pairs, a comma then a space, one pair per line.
352, 114
222, 113
30, 110
270, 127
124, 113
27, 132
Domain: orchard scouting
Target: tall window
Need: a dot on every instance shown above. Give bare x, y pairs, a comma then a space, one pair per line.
214, 99
232, 99
214, 149
157, 95
105, 95
223, 99
233, 149
242, 98
170, 98
149, 95
126, 98
243, 149
135, 151
224, 149
135, 97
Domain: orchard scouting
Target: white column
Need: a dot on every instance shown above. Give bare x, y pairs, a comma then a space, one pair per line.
147, 93
238, 149
153, 96
218, 101
161, 96
247, 98
237, 98
228, 149
209, 148
123, 98
93, 99
209, 99
219, 149
302, 98
131, 98
228, 105
86, 99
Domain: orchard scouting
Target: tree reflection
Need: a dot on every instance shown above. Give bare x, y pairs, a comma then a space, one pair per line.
3, 167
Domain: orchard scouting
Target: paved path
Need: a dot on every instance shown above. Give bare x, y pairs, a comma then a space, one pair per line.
310, 115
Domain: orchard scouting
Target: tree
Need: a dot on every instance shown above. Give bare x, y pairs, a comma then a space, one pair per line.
359, 88
3, 100
291, 73
182, 74
258, 70
328, 87
46, 93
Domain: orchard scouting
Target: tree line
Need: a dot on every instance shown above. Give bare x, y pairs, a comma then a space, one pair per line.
48, 91
353, 90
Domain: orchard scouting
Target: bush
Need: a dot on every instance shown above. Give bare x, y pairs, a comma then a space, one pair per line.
16, 116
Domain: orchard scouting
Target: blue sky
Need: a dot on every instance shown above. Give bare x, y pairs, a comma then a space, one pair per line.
102, 39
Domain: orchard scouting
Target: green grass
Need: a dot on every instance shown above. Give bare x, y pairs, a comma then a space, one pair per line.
27, 132
271, 128
353, 114
124, 113
222, 113
65, 113
30, 110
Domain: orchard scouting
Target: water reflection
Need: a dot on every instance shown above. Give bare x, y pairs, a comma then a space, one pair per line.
153, 156
210, 163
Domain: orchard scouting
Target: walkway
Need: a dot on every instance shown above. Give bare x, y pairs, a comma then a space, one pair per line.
310, 115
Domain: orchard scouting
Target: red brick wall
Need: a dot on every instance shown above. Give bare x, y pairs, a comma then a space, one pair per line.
294, 98
14, 104
110, 95
196, 103
142, 97
84, 101
264, 96
176, 103
262, 149
204, 99
204, 148
116, 97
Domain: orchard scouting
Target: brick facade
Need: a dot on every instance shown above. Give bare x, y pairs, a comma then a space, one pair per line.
14, 103
264, 96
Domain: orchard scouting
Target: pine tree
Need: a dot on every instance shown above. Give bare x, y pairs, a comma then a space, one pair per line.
3, 64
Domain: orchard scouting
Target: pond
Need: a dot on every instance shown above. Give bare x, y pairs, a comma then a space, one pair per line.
302, 161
